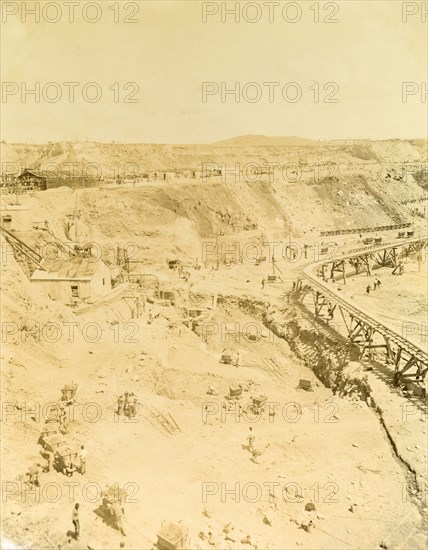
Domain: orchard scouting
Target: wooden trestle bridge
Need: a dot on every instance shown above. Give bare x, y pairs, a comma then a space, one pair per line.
407, 359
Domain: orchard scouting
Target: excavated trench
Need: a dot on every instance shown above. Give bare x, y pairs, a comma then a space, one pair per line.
324, 351
332, 359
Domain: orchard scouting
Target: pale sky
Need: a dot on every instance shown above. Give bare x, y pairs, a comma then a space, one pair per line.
170, 52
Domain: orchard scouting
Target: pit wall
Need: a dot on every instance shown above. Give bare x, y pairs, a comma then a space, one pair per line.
330, 358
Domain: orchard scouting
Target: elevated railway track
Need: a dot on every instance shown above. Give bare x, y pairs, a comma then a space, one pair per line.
363, 329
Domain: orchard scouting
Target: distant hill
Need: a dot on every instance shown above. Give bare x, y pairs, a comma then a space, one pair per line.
264, 141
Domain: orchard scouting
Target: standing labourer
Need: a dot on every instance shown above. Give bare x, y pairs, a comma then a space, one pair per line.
63, 427
117, 512
133, 407
83, 454
125, 403
49, 456
33, 475
368, 289
263, 283
76, 521
251, 438
62, 414
120, 405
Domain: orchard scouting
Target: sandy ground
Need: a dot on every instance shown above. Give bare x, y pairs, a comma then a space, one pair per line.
323, 450
400, 301
362, 468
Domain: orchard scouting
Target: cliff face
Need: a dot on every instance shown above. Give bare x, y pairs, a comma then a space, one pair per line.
259, 150
308, 188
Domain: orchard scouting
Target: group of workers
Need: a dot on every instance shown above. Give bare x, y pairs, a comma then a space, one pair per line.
127, 404
116, 510
376, 285
68, 465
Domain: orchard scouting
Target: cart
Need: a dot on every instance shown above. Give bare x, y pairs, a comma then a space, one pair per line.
51, 442
66, 458
305, 385
49, 430
235, 392
172, 536
55, 412
257, 403
69, 393
226, 358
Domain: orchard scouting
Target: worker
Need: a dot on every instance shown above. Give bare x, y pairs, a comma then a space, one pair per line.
69, 468
368, 289
63, 427
33, 475
117, 511
76, 521
379, 282
120, 405
83, 454
49, 456
62, 414
263, 283
257, 453
238, 360
251, 438
132, 408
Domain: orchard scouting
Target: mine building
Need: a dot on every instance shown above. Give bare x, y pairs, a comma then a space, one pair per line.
73, 280
15, 217
46, 179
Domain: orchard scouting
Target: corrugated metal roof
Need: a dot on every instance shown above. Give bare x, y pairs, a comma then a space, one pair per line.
56, 175
46, 174
67, 270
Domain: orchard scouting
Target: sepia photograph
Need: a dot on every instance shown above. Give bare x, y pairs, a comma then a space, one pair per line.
213, 275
